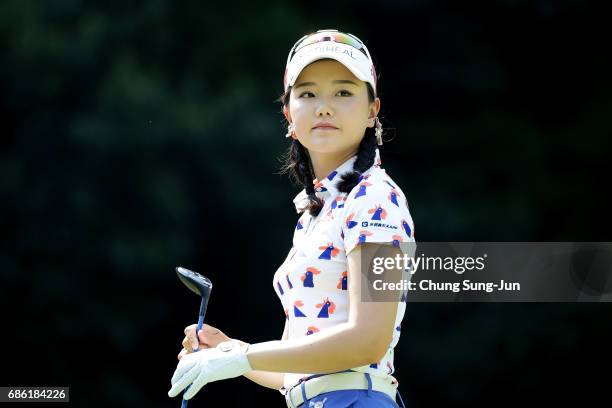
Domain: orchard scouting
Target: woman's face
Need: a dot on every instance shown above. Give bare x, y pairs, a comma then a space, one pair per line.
327, 91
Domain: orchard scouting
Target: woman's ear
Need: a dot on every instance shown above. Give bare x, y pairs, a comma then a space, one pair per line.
286, 113
374, 109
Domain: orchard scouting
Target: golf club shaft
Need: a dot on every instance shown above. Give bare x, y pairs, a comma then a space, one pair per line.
200, 323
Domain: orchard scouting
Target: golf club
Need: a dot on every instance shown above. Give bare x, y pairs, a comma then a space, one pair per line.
201, 286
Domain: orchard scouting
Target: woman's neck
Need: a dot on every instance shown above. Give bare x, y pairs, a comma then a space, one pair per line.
325, 163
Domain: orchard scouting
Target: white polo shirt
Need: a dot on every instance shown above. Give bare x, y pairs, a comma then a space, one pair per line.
312, 281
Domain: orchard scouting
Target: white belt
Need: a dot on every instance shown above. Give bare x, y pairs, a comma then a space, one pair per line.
339, 381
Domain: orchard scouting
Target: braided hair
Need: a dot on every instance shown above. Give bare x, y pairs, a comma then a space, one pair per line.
297, 162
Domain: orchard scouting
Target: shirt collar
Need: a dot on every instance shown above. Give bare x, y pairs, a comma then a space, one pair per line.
325, 187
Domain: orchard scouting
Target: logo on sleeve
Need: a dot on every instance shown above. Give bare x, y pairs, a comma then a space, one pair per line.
366, 224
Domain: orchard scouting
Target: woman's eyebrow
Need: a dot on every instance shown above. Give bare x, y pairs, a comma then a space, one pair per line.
337, 81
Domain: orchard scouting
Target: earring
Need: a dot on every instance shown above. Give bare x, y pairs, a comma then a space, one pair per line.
378, 131
290, 130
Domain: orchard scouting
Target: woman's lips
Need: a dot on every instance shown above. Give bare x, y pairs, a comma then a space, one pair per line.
326, 127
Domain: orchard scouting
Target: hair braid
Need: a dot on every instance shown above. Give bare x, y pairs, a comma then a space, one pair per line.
365, 160
305, 175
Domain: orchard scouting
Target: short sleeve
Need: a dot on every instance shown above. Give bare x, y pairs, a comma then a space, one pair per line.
376, 211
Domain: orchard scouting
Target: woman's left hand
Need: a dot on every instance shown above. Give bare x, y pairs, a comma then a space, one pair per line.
208, 337
227, 360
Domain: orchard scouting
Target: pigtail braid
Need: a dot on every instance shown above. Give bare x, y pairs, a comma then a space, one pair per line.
365, 159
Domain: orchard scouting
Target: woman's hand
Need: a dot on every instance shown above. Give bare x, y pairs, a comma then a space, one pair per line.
227, 360
208, 337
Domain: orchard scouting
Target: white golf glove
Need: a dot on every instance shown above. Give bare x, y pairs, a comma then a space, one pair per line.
227, 360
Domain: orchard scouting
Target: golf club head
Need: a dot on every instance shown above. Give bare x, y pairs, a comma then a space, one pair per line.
200, 285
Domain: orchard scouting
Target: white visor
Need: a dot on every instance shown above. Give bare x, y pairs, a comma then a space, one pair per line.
356, 61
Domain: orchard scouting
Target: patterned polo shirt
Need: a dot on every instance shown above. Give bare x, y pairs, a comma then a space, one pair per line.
312, 281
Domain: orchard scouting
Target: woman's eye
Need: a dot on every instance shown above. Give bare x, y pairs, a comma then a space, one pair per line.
343, 92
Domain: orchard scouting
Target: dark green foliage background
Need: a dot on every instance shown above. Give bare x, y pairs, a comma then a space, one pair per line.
141, 135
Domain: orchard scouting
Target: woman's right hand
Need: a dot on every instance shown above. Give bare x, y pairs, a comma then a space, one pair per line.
208, 337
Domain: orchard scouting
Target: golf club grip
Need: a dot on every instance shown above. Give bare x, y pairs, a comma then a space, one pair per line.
200, 324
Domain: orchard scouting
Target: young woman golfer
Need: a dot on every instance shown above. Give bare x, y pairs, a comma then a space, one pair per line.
336, 350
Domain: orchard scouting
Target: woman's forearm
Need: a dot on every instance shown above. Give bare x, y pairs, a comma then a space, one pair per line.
334, 349
266, 378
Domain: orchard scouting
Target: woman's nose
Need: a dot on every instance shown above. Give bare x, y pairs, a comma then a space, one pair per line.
324, 109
